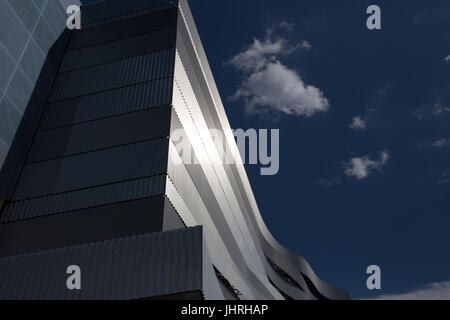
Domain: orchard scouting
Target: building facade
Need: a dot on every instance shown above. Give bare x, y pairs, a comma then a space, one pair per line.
28, 29
104, 186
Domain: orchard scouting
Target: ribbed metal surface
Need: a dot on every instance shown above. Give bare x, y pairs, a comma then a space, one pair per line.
108, 104
98, 14
265, 243
113, 75
82, 199
120, 30
128, 268
93, 169
94, 135
117, 50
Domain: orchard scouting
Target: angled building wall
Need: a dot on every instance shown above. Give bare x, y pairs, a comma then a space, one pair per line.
103, 174
29, 30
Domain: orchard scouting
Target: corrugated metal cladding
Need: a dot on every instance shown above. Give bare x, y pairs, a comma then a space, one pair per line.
98, 14
108, 104
85, 198
96, 169
118, 220
108, 116
123, 29
91, 136
129, 268
113, 75
112, 51
93, 169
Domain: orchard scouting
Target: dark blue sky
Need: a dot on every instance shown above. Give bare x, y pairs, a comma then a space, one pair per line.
398, 82
397, 218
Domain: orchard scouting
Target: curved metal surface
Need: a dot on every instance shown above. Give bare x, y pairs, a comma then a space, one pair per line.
198, 105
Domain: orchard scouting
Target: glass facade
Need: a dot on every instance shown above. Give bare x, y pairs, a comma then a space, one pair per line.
28, 29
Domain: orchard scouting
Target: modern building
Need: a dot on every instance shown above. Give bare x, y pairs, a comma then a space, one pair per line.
28, 29
93, 177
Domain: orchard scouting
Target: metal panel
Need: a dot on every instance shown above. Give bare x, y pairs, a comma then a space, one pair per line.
93, 169
172, 219
82, 199
43, 275
82, 226
113, 75
184, 196
101, 134
114, 10
188, 109
108, 104
117, 50
123, 29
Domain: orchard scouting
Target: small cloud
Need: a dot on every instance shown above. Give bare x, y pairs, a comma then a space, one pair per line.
441, 143
358, 123
269, 85
305, 45
434, 291
281, 89
362, 167
447, 58
439, 108
283, 25
329, 182
436, 109
418, 113
445, 178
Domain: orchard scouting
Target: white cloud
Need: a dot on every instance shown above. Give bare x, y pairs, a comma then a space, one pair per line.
259, 54
439, 109
447, 58
434, 291
270, 85
441, 143
280, 88
358, 123
362, 167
